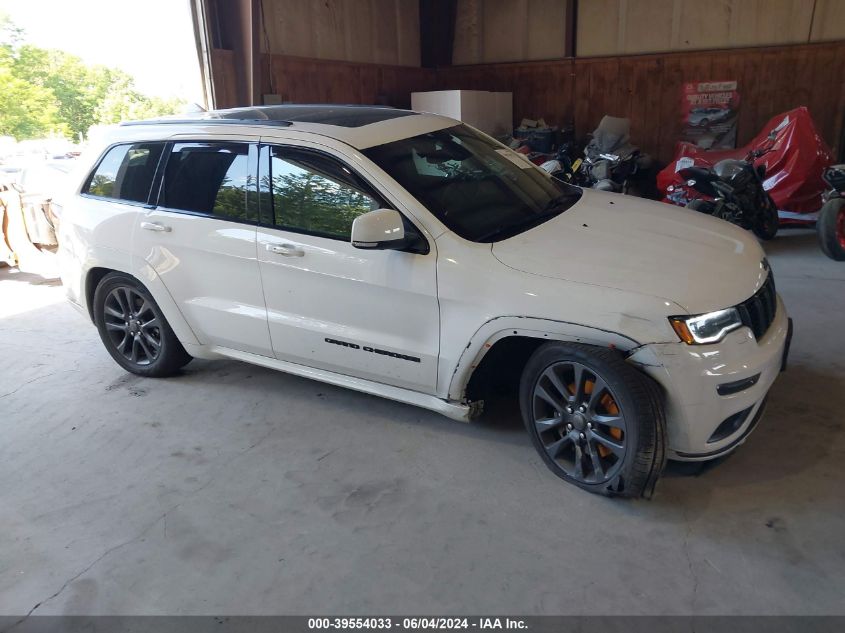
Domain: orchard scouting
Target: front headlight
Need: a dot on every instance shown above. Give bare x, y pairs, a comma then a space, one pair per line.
706, 328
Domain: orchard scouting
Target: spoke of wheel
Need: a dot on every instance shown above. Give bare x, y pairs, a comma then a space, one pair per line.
127, 295
547, 424
599, 388
554, 449
120, 327
111, 311
551, 374
580, 383
150, 323
124, 308
156, 344
579, 458
592, 449
134, 354
543, 394
145, 348
616, 421
121, 347
617, 448
144, 308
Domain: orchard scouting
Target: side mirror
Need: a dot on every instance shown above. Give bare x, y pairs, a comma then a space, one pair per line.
379, 229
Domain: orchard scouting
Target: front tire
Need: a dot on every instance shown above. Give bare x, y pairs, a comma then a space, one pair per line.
831, 228
595, 421
767, 227
134, 330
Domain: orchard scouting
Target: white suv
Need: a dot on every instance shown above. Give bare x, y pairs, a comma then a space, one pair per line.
409, 256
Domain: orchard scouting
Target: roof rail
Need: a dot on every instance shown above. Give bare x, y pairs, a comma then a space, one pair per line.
204, 121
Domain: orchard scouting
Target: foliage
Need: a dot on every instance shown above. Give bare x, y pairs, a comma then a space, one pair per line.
45, 91
26, 110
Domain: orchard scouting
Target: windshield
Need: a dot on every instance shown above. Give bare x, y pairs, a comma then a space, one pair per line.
479, 189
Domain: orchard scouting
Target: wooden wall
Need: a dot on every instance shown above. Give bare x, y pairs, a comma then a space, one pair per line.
303, 80
224, 78
369, 31
488, 31
647, 88
615, 27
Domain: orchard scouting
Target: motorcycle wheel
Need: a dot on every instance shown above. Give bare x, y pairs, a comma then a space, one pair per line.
831, 228
767, 227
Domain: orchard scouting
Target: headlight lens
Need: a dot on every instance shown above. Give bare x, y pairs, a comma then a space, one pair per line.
706, 328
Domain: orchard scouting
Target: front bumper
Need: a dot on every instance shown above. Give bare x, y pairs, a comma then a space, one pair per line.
715, 394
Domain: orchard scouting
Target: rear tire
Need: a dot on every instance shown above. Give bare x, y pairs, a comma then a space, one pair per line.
831, 229
596, 421
134, 330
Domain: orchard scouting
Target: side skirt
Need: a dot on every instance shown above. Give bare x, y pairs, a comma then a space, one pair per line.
451, 409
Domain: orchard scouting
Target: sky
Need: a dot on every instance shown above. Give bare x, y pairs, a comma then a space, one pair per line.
152, 40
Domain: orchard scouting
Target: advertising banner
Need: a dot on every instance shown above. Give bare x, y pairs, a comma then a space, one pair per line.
709, 110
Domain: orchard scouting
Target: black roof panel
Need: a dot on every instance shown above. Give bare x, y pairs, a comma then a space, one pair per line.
342, 115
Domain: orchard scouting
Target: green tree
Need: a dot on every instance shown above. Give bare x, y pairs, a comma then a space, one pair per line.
26, 110
122, 102
49, 91
78, 89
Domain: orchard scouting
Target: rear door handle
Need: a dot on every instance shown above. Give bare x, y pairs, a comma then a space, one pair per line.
155, 226
286, 250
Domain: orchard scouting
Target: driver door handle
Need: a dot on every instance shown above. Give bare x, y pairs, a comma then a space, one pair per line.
286, 250
155, 226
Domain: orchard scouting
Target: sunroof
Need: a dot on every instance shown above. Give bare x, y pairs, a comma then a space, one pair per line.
342, 115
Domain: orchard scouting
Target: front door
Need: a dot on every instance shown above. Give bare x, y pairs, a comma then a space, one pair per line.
371, 314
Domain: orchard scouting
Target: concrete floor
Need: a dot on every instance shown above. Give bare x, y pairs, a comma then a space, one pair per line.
234, 489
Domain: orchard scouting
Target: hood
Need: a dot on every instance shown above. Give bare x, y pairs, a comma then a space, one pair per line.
616, 241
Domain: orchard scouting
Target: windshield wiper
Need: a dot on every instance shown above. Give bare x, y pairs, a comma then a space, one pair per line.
557, 201
504, 232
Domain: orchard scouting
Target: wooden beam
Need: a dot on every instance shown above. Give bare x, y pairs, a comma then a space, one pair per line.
437, 32
571, 28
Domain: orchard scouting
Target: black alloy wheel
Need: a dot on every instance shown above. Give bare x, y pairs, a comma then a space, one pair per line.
579, 422
133, 328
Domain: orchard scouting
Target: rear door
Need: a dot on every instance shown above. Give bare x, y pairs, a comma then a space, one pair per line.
200, 239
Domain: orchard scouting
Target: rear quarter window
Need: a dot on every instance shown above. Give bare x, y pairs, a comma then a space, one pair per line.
125, 172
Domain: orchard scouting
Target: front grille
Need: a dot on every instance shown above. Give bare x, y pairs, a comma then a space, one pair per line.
758, 312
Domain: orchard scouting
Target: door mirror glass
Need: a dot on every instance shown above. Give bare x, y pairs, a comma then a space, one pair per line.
379, 229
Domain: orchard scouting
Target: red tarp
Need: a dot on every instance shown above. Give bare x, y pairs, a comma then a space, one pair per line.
793, 166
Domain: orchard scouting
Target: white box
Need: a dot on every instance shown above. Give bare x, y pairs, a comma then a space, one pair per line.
490, 112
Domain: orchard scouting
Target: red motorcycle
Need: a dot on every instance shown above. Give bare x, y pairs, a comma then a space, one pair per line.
831, 224
732, 190
790, 151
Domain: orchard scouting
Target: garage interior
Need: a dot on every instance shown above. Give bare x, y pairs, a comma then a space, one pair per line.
236, 489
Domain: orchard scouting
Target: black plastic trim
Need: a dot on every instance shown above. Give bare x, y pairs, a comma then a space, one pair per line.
785, 357
730, 388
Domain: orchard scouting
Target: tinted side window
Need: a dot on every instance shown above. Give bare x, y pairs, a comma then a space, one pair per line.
209, 178
314, 194
125, 172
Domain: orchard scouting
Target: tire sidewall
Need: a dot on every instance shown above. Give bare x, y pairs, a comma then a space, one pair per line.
827, 229
768, 229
